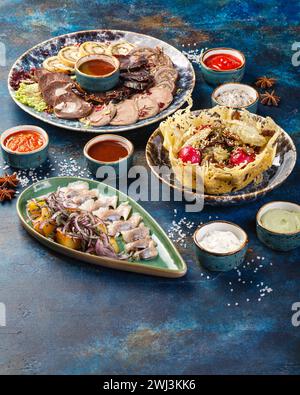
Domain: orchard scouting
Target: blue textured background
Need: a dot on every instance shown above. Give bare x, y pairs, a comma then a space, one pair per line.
67, 317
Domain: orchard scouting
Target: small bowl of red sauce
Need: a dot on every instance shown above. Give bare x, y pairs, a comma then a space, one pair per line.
113, 151
24, 146
97, 73
219, 65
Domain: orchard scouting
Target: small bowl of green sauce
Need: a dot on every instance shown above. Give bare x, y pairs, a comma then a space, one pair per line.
278, 225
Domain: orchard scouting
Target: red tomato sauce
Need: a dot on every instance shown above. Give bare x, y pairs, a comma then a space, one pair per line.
223, 62
24, 141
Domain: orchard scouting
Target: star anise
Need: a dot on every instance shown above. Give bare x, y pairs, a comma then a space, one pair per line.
9, 180
6, 194
269, 99
265, 82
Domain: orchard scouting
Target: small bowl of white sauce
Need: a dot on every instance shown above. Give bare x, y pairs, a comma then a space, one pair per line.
237, 96
220, 245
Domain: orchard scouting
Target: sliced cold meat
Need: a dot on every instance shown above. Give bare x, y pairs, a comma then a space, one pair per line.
147, 107
128, 63
55, 89
162, 59
38, 73
118, 94
106, 201
141, 232
46, 78
138, 244
107, 214
161, 95
140, 76
167, 84
147, 253
139, 86
142, 53
127, 113
116, 227
102, 114
70, 106
155, 56
165, 74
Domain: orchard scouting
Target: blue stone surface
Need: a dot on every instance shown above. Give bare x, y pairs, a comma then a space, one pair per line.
66, 317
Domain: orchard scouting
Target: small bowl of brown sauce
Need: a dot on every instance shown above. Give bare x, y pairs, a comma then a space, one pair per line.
113, 151
97, 73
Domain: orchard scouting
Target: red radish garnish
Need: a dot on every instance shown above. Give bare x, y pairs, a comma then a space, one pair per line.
239, 156
189, 154
202, 127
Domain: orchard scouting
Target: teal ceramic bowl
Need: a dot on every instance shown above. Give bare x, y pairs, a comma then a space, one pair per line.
98, 83
218, 77
216, 261
277, 241
216, 97
26, 160
114, 169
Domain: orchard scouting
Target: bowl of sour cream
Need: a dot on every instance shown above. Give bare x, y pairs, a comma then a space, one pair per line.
235, 95
220, 245
278, 225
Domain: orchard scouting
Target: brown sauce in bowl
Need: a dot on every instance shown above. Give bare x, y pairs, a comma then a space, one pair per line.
96, 67
108, 151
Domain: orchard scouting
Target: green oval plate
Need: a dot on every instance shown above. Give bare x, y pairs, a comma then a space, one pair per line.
168, 263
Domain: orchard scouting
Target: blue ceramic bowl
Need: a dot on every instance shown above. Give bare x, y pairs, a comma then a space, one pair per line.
26, 160
98, 83
216, 77
229, 86
216, 261
277, 241
115, 169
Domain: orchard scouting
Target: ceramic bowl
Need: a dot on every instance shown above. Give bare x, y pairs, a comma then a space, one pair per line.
118, 167
229, 86
275, 240
98, 83
216, 77
216, 261
25, 160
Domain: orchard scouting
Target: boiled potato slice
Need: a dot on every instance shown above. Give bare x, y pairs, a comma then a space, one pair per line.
45, 229
114, 245
67, 241
34, 209
43, 224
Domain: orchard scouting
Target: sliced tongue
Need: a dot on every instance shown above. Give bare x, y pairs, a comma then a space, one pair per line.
55, 89
38, 73
147, 107
46, 78
102, 114
70, 106
127, 113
